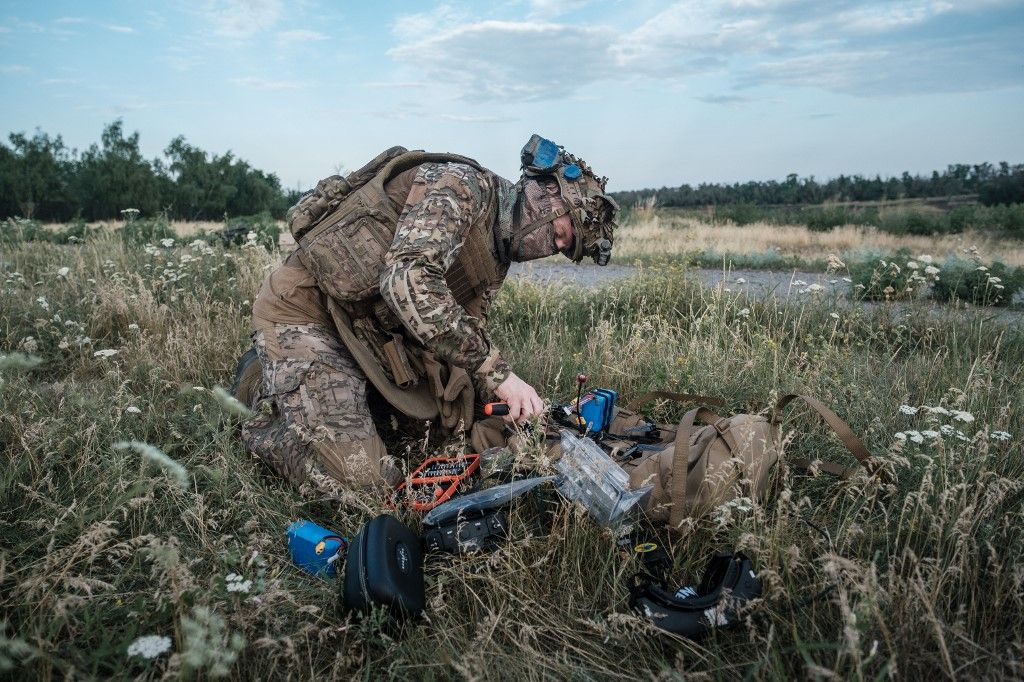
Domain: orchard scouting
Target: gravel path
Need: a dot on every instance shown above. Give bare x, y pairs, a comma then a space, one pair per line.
758, 283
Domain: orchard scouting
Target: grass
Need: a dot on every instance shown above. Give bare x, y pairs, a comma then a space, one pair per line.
658, 236
101, 544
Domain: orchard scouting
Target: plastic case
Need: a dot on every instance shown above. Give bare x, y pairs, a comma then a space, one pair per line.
589, 476
385, 569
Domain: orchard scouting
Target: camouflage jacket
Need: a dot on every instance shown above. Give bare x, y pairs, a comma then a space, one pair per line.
442, 203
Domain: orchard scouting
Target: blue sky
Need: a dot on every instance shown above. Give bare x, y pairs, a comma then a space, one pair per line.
649, 93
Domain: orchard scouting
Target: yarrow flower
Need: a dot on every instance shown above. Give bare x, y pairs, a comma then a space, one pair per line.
131, 409
167, 243
236, 583
745, 312
63, 272
961, 416
814, 289
999, 435
150, 646
105, 353
908, 409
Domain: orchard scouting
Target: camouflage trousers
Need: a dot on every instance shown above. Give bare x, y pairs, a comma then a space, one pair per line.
313, 419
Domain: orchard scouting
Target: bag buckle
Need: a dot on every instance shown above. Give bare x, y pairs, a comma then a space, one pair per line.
719, 427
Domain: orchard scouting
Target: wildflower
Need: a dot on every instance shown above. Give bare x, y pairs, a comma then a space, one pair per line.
1000, 435
930, 434
105, 353
745, 312
133, 327
130, 212
834, 316
962, 416
149, 646
908, 409
230, 403
29, 344
236, 583
913, 265
167, 243
915, 436
935, 410
799, 283
741, 280
847, 280
131, 409
899, 435
43, 303
63, 272
994, 280
834, 262
981, 268
926, 259
946, 430
814, 289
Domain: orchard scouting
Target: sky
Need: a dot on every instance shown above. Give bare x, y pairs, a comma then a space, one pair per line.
649, 93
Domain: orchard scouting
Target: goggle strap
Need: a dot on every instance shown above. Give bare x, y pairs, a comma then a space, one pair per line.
537, 224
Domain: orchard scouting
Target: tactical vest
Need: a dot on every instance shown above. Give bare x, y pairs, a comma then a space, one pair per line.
343, 230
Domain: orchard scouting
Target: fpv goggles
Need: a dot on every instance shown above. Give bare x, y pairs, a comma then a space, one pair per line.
583, 195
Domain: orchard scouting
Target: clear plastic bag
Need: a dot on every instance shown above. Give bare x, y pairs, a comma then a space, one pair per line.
592, 478
482, 500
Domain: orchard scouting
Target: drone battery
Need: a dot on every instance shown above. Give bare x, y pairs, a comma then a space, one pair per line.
314, 548
597, 408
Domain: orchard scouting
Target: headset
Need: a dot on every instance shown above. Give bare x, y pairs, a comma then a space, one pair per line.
729, 584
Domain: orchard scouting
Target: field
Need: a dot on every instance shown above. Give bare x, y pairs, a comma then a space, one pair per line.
106, 341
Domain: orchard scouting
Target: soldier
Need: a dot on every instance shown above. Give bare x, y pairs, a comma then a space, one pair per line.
396, 267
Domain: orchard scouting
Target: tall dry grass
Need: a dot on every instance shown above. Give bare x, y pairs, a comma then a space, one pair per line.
100, 545
652, 236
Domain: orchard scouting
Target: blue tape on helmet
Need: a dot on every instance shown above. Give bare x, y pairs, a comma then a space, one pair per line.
546, 155
572, 172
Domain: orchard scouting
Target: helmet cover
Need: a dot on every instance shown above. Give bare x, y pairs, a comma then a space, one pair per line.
582, 194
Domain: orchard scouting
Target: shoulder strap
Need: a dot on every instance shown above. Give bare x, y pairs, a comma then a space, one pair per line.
841, 428
678, 397
682, 489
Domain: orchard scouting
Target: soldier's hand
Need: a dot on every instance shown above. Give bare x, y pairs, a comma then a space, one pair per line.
523, 401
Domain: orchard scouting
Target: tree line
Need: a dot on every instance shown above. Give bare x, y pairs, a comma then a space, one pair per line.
43, 179
993, 184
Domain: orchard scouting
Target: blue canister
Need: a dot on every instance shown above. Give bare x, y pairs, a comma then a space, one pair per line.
597, 408
314, 548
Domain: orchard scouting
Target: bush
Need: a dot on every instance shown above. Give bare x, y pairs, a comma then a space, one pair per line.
964, 280
237, 230
892, 279
141, 231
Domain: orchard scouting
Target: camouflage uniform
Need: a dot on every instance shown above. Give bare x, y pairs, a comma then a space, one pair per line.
316, 416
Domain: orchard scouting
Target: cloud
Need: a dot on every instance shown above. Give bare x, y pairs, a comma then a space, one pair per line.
874, 48
69, 20
396, 85
119, 29
300, 35
728, 100
240, 19
14, 69
257, 83
62, 81
475, 119
549, 9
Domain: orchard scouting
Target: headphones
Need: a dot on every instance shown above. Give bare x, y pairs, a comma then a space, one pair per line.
729, 583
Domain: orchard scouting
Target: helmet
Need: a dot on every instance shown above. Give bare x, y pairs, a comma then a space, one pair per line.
582, 195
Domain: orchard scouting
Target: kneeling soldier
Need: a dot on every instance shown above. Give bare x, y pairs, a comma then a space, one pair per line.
396, 267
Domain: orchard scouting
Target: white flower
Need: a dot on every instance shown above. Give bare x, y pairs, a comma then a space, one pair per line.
105, 353
915, 436
43, 303
935, 410
913, 265
1000, 435
946, 430
962, 416
250, 237
167, 243
847, 280
131, 409
814, 289
834, 316
236, 583
981, 268
926, 259
740, 280
931, 270
899, 436
130, 212
799, 283
834, 262
930, 434
994, 280
63, 272
133, 327
29, 344
745, 312
150, 646
908, 409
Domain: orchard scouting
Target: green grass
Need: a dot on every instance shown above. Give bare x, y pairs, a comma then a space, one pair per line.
99, 545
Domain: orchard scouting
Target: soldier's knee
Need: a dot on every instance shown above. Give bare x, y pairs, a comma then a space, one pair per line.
356, 461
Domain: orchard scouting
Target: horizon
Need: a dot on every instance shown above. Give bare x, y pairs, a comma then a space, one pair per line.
747, 90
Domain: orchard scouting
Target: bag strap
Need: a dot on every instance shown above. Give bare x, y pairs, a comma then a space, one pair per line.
682, 489
841, 428
678, 397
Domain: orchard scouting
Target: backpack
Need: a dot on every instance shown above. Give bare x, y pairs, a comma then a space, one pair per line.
708, 459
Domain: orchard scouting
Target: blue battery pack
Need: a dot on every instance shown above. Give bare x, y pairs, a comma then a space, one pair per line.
597, 408
314, 548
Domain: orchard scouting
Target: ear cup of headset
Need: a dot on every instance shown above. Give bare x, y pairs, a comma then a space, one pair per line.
728, 583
